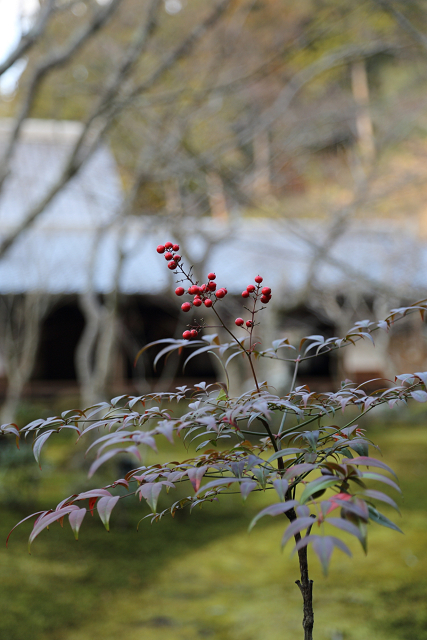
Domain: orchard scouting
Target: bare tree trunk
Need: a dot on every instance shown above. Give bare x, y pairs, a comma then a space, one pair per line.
86, 347
261, 184
365, 131
22, 317
94, 354
217, 201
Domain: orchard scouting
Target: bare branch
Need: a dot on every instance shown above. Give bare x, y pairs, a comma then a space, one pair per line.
31, 37
182, 51
332, 59
53, 61
91, 139
403, 22
84, 149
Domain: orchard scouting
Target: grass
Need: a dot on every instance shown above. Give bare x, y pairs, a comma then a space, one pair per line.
204, 576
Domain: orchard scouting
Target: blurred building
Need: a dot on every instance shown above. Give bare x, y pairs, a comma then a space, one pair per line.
82, 245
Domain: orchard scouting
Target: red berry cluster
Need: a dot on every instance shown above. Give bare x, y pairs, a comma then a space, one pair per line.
202, 294
263, 294
205, 294
190, 334
171, 256
257, 293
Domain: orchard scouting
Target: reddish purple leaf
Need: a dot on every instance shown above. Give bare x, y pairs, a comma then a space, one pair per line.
379, 495
151, 492
274, 510
247, 487
218, 482
368, 462
105, 507
47, 519
298, 469
76, 518
297, 526
195, 475
419, 396
345, 525
38, 513
281, 485
110, 454
38, 444
93, 493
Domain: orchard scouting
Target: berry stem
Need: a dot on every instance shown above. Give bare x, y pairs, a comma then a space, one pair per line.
294, 378
248, 353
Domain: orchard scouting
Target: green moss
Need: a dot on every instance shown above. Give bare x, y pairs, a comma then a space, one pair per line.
203, 576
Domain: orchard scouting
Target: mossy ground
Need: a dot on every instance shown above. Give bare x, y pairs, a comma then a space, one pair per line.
204, 576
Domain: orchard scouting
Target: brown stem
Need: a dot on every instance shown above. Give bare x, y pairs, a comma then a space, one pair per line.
248, 353
305, 585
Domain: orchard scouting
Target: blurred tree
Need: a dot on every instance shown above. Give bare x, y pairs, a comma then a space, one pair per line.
288, 108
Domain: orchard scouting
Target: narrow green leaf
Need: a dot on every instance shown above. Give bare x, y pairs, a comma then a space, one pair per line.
284, 452
317, 485
381, 519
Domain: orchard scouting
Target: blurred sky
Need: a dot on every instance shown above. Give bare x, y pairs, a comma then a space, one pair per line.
15, 17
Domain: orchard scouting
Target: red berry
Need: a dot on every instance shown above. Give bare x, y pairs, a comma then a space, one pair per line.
258, 279
224, 289
220, 293
211, 286
197, 302
168, 245
193, 289
194, 333
177, 258
249, 323
265, 299
180, 291
250, 288
186, 335
175, 247
203, 288
160, 249
171, 265
168, 255
245, 294
239, 322
186, 306
265, 290
208, 302
211, 276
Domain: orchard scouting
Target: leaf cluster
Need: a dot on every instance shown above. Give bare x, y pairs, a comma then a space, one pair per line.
320, 479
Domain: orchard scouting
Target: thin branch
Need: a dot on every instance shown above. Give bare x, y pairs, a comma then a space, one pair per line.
53, 61
30, 38
403, 22
182, 51
76, 159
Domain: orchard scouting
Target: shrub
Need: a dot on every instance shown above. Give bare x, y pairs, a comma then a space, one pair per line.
319, 478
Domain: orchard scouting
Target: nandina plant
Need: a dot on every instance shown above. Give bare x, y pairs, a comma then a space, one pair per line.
317, 474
